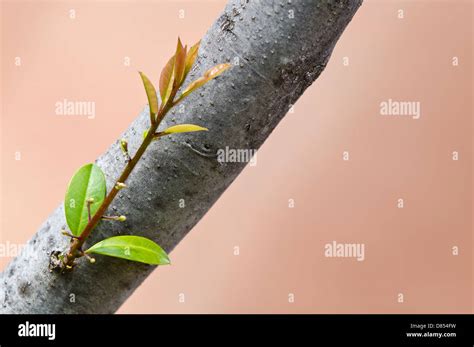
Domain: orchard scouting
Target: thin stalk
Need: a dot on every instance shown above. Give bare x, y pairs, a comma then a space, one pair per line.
75, 250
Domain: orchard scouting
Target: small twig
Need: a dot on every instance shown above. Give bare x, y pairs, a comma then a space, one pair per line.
91, 260
67, 233
116, 218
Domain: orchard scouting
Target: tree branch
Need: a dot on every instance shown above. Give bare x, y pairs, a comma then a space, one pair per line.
279, 49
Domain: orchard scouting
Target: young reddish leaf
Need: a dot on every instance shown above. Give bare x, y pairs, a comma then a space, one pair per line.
216, 71
179, 65
208, 75
151, 95
166, 80
181, 128
191, 58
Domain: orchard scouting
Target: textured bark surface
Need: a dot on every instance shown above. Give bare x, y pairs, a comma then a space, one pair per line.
278, 58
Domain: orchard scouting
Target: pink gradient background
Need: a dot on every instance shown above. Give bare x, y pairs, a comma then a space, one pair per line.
281, 249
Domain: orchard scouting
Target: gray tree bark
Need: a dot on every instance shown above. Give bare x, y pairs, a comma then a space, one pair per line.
280, 47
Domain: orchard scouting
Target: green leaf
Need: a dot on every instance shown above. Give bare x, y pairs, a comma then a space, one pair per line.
151, 95
135, 248
181, 128
87, 183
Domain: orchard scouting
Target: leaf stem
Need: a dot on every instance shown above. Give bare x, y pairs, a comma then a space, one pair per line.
75, 250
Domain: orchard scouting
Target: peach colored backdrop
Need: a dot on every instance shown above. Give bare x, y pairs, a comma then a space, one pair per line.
48, 56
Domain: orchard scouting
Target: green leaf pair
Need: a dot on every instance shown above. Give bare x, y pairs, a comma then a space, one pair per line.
85, 194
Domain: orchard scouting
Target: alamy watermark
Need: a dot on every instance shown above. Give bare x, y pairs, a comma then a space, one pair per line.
237, 155
345, 250
9, 249
28, 329
75, 108
401, 108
